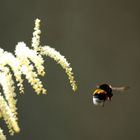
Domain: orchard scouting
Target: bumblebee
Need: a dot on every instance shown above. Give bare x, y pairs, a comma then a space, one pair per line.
104, 93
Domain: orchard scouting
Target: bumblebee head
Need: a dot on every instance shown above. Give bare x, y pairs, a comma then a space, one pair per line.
106, 88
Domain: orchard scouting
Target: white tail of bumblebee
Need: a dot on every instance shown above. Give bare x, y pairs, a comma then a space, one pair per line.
98, 102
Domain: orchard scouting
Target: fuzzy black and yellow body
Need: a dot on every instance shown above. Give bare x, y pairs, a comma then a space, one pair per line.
104, 93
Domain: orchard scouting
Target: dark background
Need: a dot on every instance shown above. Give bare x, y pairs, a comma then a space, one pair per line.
101, 40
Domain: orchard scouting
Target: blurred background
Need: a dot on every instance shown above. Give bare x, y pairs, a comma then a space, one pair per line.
101, 40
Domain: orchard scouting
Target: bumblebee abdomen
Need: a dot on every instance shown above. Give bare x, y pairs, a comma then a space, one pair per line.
100, 94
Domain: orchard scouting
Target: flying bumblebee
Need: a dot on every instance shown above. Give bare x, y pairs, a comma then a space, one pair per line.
104, 93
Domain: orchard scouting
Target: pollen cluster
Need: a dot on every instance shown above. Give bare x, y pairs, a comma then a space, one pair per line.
30, 63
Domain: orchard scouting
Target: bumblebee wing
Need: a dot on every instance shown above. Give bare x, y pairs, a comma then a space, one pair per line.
120, 89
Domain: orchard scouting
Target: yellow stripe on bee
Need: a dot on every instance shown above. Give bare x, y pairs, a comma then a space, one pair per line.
98, 91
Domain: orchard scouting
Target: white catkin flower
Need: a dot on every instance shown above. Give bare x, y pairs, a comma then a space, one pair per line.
7, 84
60, 59
9, 59
8, 116
23, 52
26, 56
36, 35
48, 51
2, 136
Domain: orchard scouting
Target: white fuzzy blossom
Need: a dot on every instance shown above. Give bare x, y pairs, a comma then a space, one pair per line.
60, 59
52, 53
36, 35
8, 59
30, 63
8, 90
8, 116
26, 56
